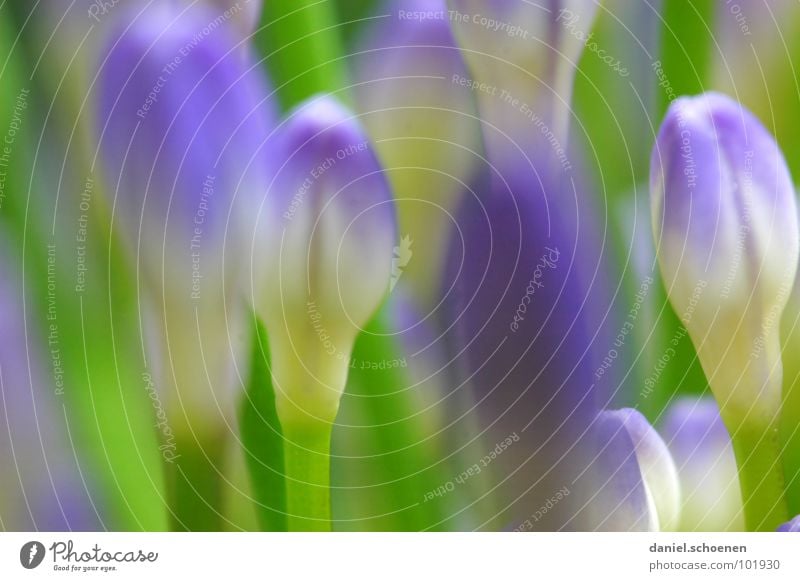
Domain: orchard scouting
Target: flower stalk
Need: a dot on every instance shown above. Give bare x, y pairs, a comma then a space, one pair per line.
327, 230
308, 465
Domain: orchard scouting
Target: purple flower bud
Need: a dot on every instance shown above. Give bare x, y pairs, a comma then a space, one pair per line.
183, 119
793, 526
725, 225
323, 258
702, 450
642, 489
525, 320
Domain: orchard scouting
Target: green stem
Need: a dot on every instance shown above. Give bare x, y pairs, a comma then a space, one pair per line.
756, 445
195, 484
687, 44
747, 382
262, 436
307, 460
790, 424
308, 389
300, 41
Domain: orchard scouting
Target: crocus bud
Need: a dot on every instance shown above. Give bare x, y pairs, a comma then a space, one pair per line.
526, 55
726, 232
323, 259
701, 447
625, 435
182, 120
413, 96
793, 526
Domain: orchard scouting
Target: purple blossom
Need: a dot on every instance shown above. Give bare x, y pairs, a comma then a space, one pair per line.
526, 321
634, 474
184, 117
322, 260
701, 447
725, 225
528, 314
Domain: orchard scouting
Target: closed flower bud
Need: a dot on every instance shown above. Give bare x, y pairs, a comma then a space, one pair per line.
701, 447
323, 258
182, 121
641, 490
726, 232
725, 225
526, 325
183, 117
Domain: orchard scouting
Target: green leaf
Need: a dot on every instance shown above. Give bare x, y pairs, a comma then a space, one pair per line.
263, 439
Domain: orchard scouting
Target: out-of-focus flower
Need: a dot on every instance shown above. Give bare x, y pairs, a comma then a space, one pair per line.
526, 55
793, 526
701, 447
42, 486
726, 232
527, 312
411, 81
525, 332
527, 307
323, 257
636, 478
182, 120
